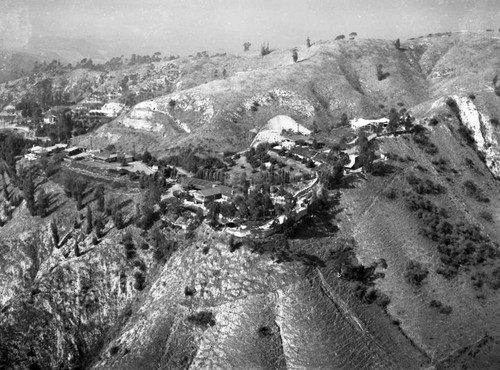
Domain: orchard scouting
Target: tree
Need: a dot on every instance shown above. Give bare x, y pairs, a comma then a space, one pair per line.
264, 49
99, 197
55, 232
224, 73
397, 44
246, 46
393, 120
117, 218
89, 220
340, 37
99, 225
42, 203
28, 187
380, 74
295, 55
147, 157
353, 35
308, 42
366, 152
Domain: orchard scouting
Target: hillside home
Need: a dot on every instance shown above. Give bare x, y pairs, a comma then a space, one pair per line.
73, 151
205, 196
105, 156
125, 158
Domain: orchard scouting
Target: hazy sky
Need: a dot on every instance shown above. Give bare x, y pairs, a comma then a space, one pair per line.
187, 26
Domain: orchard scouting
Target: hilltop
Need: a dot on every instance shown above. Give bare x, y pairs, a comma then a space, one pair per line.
369, 239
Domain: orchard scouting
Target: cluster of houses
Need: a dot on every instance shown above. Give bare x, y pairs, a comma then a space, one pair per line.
77, 153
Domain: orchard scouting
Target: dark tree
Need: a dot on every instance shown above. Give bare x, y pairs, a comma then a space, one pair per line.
89, 220
353, 35
246, 46
397, 44
393, 120
99, 197
380, 74
224, 73
28, 187
99, 225
264, 49
340, 37
117, 218
42, 203
295, 55
415, 273
147, 157
55, 232
308, 42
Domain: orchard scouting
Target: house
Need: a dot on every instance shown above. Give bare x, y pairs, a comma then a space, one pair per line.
112, 109
72, 151
205, 196
125, 158
49, 118
222, 193
106, 156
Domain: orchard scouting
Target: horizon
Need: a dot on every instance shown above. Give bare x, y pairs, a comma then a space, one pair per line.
189, 26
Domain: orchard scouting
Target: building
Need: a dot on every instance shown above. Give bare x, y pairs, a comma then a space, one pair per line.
125, 158
106, 156
205, 196
73, 150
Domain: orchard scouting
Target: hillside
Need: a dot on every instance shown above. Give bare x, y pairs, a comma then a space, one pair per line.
396, 264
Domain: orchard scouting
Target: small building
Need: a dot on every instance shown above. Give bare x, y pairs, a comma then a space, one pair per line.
205, 196
125, 158
72, 150
222, 193
106, 156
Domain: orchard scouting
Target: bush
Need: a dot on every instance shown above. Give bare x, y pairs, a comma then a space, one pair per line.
202, 318
415, 273
380, 74
114, 350
475, 192
426, 186
487, 216
390, 193
421, 138
340, 37
468, 135
264, 49
140, 280
129, 245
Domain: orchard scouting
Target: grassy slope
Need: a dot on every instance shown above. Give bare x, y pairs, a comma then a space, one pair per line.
387, 229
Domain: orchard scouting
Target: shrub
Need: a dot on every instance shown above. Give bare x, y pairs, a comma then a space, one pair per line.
426, 186
140, 280
202, 318
129, 245
295, 55
189, 292
390, 193
380, 74
487, 216
421, 138
114, 350
443, 165
468, 135
494, 121
264, 49
474, 191
415, 273
340, 37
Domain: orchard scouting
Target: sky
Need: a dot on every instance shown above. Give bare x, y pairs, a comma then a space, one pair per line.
187, 26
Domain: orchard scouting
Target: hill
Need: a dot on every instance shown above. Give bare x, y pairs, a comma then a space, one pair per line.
393, 263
